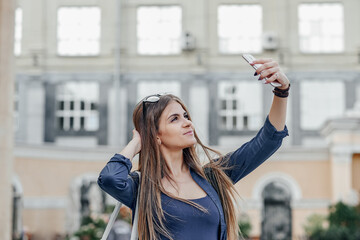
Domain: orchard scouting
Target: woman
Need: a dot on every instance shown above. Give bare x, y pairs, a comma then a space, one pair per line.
180, 198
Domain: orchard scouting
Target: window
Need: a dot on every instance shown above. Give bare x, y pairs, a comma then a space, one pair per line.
321, 27
159, 30
18, 31
78, 31
240, 108
320, 100
16, 107
77, 106
240, 28
355, 111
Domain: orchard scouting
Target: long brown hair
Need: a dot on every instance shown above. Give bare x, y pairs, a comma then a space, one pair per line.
153, 168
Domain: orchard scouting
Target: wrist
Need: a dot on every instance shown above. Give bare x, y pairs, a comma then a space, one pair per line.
135, 145
130, 150
282, 92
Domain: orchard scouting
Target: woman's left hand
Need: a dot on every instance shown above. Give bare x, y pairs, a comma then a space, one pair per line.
270, 69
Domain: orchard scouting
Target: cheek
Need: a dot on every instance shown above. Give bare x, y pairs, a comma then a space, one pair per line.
169, 133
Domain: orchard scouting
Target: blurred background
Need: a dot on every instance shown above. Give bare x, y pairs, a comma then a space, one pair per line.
81, 66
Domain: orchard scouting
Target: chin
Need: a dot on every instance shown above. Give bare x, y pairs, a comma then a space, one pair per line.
190, 144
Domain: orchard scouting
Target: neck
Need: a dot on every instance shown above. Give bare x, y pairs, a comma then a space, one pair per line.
175, 161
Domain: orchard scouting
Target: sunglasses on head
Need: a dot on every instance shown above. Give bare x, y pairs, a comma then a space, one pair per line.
151, 99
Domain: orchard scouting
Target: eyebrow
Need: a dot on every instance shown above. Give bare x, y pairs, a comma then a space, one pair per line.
176, 114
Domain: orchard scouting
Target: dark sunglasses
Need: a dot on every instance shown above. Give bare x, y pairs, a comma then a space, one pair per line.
151, 99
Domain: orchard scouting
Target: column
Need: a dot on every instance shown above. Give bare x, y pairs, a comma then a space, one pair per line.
6, 114
341, 175
343, 137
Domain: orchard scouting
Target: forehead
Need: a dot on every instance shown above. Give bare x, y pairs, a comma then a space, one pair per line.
173, 107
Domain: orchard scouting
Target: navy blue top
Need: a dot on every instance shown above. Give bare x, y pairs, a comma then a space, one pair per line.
178, 213
117, 180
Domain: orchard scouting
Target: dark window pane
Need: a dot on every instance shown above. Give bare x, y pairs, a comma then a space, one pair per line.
82, 105
71, 122
233, 90
234, 121
234, 104
246, 124
230, 90
71, 105
223, 104
61, 105
82, 123
61, 123
223, 122
93, 106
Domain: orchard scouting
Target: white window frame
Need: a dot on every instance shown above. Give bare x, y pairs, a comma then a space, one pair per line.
18, 31
72, 107
74, 44
319, 29
241, 111
16, 107
157, 43
311, 96
232, 29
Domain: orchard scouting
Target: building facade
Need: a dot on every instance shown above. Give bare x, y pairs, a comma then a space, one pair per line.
81, 67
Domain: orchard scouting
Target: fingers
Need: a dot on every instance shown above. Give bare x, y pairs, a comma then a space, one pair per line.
273, 78
267, 73
135, 133
265, 63
270, 69
262, 60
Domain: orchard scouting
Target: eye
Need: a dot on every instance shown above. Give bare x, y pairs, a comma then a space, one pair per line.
186, 116
174, 119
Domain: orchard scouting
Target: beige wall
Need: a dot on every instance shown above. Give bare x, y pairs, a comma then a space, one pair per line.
46, 176
356, 173
52, 177
47, 173
44, 223
313, 177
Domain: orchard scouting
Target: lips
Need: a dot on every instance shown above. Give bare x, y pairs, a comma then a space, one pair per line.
191, 132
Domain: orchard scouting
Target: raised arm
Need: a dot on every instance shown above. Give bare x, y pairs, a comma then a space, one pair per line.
271, 70
253, 153
115, 177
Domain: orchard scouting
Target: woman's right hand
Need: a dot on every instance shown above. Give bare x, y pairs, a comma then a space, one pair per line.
136, 139
133, 147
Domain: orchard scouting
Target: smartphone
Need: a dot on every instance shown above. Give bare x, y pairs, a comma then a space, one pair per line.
250, 58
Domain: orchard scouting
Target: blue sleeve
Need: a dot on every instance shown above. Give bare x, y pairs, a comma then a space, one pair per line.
115, 180
253, 153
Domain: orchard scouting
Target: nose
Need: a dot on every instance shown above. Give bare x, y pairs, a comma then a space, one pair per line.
187, 123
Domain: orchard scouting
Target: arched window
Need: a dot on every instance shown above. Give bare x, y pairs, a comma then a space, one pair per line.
276, 219
86, 199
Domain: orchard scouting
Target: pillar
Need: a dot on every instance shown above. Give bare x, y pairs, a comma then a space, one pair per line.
6, 115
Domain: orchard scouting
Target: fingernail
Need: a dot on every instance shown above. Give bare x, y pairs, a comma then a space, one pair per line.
255, 73
259, 79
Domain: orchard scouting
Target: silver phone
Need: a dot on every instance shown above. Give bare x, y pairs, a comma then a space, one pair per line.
250, 58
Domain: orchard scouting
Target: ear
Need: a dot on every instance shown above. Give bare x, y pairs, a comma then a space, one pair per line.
158, 140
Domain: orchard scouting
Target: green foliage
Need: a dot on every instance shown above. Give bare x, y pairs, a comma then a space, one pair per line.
344, 215
314, 224
244, 227
91, 229
343, 221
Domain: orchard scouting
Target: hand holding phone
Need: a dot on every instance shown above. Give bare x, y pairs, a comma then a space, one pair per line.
250, 58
